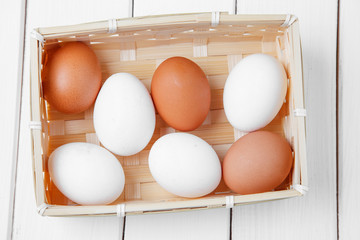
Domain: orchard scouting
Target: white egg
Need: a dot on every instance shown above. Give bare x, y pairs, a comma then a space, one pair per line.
185, 165
254, 92
86, 173
124, 115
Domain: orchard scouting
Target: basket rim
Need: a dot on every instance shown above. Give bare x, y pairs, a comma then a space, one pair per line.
123, 24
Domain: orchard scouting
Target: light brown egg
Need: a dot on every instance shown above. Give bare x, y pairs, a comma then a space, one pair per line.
181, 93
257, 162
72, 78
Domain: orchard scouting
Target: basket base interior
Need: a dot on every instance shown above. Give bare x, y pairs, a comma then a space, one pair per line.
215, 52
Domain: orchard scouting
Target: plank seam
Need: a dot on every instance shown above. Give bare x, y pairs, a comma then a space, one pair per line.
230, 227
235, 11
123, 229
132, 7
337, 119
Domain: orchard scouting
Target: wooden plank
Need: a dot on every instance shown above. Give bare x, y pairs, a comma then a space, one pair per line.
349, 117
206, 224
314, 215
11, 49
27, 223
156, 7
201, 224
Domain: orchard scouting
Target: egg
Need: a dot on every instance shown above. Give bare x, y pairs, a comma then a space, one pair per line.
181, 93
257, 162
124, 115
72, 78
86, 173
185, 165
254, 92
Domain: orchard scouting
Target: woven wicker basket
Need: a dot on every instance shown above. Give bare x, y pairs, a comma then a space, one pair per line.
216, 42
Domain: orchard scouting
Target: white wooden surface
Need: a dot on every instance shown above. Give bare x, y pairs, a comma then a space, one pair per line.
349, 119
311, 217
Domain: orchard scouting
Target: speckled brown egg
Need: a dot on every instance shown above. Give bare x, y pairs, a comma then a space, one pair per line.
181, 93
257, 162
72, 78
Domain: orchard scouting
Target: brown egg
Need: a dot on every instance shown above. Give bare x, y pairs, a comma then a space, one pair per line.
181, 93
72, 78
257, 162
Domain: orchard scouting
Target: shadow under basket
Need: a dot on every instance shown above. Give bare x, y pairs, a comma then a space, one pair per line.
216, 42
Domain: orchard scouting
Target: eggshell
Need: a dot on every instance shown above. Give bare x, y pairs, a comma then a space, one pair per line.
72, 78
124, 115
185, 165
257, 162
181, 93
254, 92
86, 173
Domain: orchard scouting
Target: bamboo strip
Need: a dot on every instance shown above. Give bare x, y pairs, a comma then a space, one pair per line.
152, 42
208, 201
217, 99
36, 117
147, 192
125, 37
227, 35
132, 191
221, 133
108, 56
137, 174
217, 81
92, 138
291, 118
144, 69
108, 46
144, 155
127, 51
200, 47
268, 44
233, 60
79, 126
218, 116
236, 48
53, 114
68, 127
72, 128
163, 36
136, 207
141, 69
57, 141
88, 114
132, 160
162, 21
299, 98
213, 65
56, 128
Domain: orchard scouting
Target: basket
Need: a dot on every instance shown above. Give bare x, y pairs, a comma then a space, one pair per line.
216, 42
